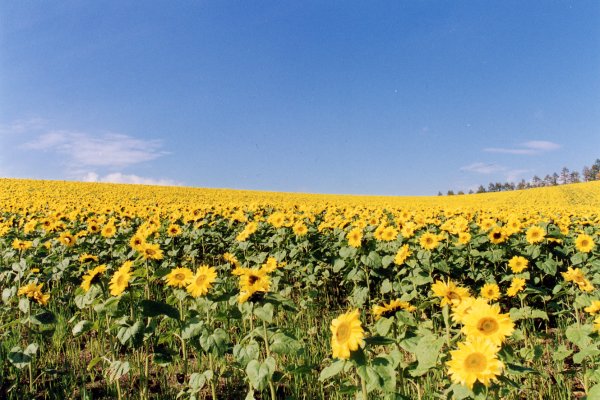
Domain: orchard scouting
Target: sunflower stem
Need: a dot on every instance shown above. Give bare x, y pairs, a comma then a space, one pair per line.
363, 385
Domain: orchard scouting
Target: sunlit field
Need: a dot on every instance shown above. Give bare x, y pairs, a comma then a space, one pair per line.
126, 292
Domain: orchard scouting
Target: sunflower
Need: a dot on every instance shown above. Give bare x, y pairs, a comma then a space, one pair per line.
597, 324
300, 229
21, 244
461, 310
389, 233
152, 251
593, 308
584, 243
354, 237
67, 239
516, 285
252, 281
497, 235
347, 334
33, 291
202, 281
475, 360
402, 254
91, 277
449, 292
137, 242
535, 234
391, 307
429, 241
270, 265
464, 237
231, 259
120, 279
485, 321
108, 231
179, 277
87, 257
490, 291
518, 264
173, 230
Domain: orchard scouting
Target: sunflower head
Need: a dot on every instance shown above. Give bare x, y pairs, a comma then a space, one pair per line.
347, 334
475, 360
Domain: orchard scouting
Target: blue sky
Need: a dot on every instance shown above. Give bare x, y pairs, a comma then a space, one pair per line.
392, 98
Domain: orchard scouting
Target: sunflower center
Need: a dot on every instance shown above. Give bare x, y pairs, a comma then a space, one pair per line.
584, 243
179, 276
487, 326
120, 280
452, 295
200, 279
252, 279
475, 362
497, 235
428, 240
342, 334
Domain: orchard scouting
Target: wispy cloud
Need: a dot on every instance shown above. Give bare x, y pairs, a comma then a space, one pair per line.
527, 148
118, 177
107, 150
483, 168
22, 126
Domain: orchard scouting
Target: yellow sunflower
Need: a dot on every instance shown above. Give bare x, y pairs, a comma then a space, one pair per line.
518, 264
152, 251
535, 234
67, 239
449, 292
202, 281
429, 241
179, 277
354, 237
91, 277
490, 291
300, 229
497, 235
391, 307
252, 281
593, 308
485, 321
120, 279
584, 243
475, 360
516, 285
402, 254
347, 334
173, 230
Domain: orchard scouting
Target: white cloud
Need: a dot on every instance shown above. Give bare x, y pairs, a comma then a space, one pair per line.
513, 175
22, 126
108, 150
483, 168
526, 148
118, 177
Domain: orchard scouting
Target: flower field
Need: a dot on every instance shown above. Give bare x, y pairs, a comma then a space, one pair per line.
120, 291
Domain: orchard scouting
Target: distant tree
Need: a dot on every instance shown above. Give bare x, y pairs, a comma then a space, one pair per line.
450, 193
491, 187
536, 181
522, 185
574, 177
554, 179
565, 176
480, 189
460, 192
440, 194
470, 191
587, 174
595, 170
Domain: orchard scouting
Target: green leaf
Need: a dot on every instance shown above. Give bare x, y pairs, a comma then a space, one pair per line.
18, 358
191, 328
43, 318
82, 327
384, 325
338, 265
134, 332
332, 370
216, 342
594, 392
284, 344
586, 352
373, 260
259, 374
117, 369
152, 308
427, 352
197, 382
265, 312
386, 286
561, 353
243, 354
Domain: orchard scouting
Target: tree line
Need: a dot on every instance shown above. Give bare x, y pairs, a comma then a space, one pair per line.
564, 177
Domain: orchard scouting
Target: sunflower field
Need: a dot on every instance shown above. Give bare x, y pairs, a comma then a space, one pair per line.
126, 292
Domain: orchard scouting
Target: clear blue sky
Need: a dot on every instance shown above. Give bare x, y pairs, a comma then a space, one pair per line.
386, 97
